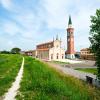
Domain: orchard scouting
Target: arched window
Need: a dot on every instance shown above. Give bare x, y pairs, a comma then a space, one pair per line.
51, 56
62, 56
57, 56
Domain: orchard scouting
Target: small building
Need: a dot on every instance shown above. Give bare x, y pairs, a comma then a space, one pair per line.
29, 53
86, 54
22, 52
77, 54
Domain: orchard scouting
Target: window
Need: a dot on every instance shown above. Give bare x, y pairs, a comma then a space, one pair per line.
57, 46
62, 56
57, 56
51, 56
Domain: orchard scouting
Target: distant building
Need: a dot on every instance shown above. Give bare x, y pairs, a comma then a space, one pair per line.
22, 52
86, 54
70, 53
29, 53
77, 54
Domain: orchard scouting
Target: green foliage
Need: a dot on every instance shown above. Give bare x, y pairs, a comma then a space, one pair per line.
41, 82
5, 52
95, 38
15, 50
9, 67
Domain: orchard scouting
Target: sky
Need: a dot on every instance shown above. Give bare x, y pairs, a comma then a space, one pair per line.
26, 23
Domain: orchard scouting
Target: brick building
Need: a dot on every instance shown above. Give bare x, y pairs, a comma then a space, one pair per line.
86, 54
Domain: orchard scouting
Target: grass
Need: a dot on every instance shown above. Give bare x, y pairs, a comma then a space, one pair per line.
88, 70
9, 67
41, 82
59, 62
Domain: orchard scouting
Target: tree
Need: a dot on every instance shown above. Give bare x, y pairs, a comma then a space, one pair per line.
95, 38
15, 50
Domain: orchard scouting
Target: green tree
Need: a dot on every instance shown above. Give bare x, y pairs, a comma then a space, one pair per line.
95, 38
15, 50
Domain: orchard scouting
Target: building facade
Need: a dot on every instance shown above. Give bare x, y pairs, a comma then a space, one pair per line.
51, 50
56, 52
86, 54
70, 53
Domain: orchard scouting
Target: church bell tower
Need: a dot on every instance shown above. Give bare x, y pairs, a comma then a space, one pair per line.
70, 40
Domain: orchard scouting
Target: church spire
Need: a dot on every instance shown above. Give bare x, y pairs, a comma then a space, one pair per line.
70, 21
57, 37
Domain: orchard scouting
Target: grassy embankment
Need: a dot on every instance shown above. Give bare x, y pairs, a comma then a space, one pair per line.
88, 70
40, 82
9, 67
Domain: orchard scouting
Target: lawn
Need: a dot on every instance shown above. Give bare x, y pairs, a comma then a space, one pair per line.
59, 62
88, 70
41, 82
9, 67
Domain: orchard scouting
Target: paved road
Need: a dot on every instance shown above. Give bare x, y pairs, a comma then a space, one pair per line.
72, 72
84, 64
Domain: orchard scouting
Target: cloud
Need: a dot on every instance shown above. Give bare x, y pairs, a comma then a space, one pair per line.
55, 13
33, 21
7, 4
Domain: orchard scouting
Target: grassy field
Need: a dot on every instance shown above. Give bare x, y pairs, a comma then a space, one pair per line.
40, 82
88, 70
9, 67
59, 62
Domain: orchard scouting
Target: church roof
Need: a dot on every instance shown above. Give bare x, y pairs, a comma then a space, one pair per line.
50, 42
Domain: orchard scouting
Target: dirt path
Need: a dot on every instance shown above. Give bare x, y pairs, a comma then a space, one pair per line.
12, 92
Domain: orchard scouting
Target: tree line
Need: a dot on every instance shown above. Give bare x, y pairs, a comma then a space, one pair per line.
12, 51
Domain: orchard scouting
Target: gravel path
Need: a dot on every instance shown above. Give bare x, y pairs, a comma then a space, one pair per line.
12, 92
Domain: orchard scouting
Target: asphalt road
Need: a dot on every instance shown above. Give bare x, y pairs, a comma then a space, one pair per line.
84, 64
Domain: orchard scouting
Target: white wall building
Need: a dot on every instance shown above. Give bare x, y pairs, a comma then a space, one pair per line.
56, 52
49, 51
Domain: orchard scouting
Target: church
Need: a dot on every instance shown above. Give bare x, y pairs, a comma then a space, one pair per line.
52, 50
